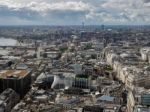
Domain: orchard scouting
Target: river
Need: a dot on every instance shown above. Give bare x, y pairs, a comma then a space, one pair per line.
7, 42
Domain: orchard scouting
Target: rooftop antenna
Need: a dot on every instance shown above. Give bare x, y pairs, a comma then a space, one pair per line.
82, 25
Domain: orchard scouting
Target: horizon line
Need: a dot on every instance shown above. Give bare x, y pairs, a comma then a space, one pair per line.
84, 25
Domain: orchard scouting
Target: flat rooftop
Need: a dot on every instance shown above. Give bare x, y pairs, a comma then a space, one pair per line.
82, 76
13, 73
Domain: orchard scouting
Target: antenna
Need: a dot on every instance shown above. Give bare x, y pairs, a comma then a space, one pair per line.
82, 25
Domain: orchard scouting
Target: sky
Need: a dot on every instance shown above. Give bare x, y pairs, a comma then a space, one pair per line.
74, 12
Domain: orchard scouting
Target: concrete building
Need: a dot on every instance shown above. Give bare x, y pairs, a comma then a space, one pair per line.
77, 68
69, 103
144, 53
130, 102
18, 80
44, 80
8, 99
82, 81
138, 100
149, 57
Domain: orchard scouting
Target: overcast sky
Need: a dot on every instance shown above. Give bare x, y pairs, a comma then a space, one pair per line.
74, 12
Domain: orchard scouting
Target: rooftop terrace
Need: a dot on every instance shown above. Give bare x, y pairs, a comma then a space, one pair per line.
13, 73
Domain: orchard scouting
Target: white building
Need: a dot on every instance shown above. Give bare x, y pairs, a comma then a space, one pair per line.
144, 53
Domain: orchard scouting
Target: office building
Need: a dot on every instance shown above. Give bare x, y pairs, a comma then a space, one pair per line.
18, 80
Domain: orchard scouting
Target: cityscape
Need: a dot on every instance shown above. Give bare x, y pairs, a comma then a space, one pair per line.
58, 57
75, 69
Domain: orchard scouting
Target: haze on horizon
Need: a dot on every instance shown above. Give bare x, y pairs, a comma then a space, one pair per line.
74, 12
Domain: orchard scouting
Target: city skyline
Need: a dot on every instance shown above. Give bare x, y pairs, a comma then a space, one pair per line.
74, 12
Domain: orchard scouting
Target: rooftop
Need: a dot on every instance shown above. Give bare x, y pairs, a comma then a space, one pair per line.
82, 76
13, 73
106, 98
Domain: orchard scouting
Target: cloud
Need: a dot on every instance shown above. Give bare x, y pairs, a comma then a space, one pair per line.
146, 1
75, 11
132, 11
46, 12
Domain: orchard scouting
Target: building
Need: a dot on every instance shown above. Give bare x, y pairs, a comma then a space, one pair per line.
106, 99
77, 68
74, 91
144, 53
21, 66
130, 102
82, 81
93, 109
8, 99
18, 80
44, 80
139, 99
69, 103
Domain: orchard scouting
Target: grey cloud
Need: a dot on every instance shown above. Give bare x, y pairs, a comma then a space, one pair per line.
22, 13
76, 11
146, 1
71, 12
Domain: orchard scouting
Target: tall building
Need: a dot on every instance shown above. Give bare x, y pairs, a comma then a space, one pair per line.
18, 80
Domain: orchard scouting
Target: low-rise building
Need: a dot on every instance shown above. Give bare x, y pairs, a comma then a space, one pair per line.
8, 99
